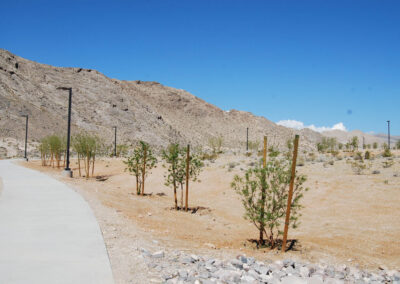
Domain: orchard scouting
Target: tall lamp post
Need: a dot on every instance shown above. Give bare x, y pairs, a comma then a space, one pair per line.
26, 136
388, 122
115, 141
67, 170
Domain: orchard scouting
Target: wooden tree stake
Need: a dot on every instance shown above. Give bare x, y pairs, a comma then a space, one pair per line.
292, 176
187, 176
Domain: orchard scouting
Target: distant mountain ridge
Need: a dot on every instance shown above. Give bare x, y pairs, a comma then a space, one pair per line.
141, 110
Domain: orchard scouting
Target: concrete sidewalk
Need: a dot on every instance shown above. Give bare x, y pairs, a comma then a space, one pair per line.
48, 233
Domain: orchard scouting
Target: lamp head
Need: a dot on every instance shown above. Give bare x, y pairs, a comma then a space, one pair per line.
64, 88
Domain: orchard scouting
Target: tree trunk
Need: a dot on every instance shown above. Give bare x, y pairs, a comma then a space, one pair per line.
137, 185
181, 196
94, 157
176, 198
144, 170
262, 213
79, 164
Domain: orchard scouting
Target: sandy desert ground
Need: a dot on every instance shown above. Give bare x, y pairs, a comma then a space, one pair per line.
348, 218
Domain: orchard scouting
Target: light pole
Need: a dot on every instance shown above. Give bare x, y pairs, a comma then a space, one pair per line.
67, 170
26, 136
388, 122
115, 141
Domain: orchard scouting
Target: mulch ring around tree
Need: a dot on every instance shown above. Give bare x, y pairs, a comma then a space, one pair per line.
193, 210
291, 244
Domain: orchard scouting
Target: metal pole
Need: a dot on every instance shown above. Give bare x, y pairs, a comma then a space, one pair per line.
289, 202
389, 133
26, 138
247, 139
69, 128
187, 177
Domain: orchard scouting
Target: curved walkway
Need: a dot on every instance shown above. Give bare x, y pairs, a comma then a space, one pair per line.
48, 233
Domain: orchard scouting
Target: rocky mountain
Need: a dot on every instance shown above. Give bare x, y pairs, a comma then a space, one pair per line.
141, 110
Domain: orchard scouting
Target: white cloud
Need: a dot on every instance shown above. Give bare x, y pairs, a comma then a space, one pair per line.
300, 125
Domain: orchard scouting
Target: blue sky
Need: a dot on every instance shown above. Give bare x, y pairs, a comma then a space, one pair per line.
317, 62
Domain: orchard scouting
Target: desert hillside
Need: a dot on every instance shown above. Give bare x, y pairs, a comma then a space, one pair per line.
141, 110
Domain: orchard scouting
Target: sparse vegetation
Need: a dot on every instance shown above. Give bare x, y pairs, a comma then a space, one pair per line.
358, 166
215, 144
175, 157
87, 146
52, 149
140, 163
273, 181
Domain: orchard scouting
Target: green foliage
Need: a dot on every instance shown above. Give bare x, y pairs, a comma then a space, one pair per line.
264, 194
398, 145
273, 151
122, 150
52, 149
87, 146
375, 145
367, 155
254, 146
327, 144
358, 156
340, 146
358, 166
387, 163
386, 152
175, 158
215, 144
353, 143
135, 164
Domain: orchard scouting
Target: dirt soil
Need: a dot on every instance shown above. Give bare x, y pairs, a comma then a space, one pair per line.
347, 218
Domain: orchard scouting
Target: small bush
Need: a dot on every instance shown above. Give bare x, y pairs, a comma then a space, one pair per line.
358, 167
215, 144
264, 194
367, 155
386, 153
388, 163
138, 167
358, 156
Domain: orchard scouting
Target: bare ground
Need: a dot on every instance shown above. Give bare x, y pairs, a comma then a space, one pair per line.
347, 218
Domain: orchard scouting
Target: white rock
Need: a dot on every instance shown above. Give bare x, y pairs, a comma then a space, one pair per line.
304, 271
158, 254
292, 280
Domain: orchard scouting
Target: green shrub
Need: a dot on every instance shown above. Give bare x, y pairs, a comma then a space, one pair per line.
87, 146
264, 194
175, 157
139, 167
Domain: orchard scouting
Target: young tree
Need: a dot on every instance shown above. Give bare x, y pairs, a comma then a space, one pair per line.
273, 181
44, 148
140, 163
375, 145
354, 143
215, 144
86, 146
175, 157
398, 145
